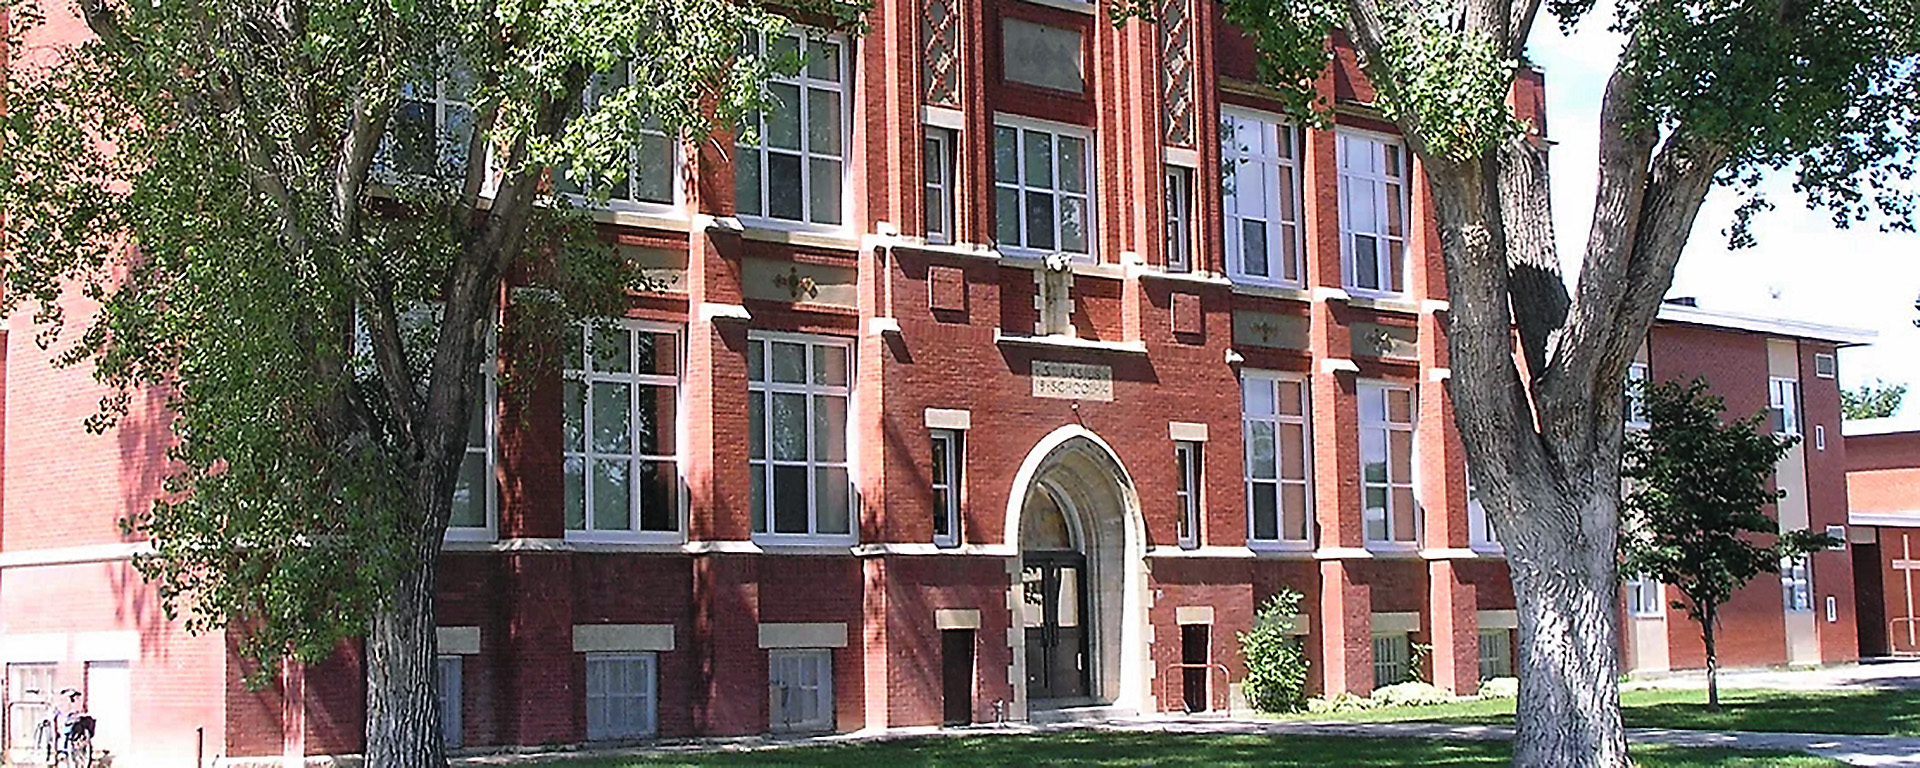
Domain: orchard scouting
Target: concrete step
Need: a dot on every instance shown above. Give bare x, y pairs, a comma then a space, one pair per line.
1080, 714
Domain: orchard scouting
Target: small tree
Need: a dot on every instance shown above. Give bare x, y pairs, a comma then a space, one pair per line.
1872, 401
1276, 663
1697, 504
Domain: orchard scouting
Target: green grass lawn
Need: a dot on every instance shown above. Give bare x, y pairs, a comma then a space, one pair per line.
1094, 748
1893, 713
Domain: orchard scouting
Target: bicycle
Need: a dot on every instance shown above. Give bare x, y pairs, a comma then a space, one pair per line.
68, 747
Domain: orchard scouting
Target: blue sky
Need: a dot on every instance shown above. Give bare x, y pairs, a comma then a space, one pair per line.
1803, 267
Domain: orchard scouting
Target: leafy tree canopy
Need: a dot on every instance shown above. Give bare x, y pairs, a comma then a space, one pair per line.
1877, 400
294, 220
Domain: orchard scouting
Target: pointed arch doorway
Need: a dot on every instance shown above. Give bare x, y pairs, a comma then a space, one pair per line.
1079, 585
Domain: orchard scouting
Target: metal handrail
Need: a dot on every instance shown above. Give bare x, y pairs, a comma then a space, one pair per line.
1226, 676
1912, 648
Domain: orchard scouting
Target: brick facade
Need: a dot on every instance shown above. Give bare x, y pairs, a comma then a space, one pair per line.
932, 328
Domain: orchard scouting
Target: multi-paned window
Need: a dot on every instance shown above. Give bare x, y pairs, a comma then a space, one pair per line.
1179, 219
30, 682
937, 166
1496, 654
798, 388
1274, 417
621, 700
1796, 584
1042, 184
1783, 399
1373, 214
796, 172
620, 431
452, 725
1646, 596
1391, 654
648, 178
800, 689
1386, 463
432, 122
1186, 459
475, 494
1260, 180
1483, 535
948, 451
1636, 396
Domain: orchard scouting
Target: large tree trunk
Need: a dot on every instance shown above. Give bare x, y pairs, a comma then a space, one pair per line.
1564, 580
403, 717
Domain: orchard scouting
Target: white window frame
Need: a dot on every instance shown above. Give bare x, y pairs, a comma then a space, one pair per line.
648, 696
781, 691
763, 390
1496, 654
488, 409
1482, 535
1251, 474
1188, 491
1796, 584
1378, 185
805, 82
1646, 597
572, 373
937, 168
1179, 199
1021, 127
1783, 402
450, 156
1392, 656
1386, 427
1238, 163
1825, 365
1635, 397
451, 688
949, 445
676, 159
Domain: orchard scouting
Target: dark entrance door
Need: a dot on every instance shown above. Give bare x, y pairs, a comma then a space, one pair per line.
1870, 601
956, 675
1194, 660
1053, 586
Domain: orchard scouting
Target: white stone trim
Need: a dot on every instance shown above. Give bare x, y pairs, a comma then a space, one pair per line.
1181, 157
40, 647
1333, 365
1193, 614
1448, 553
91, 553
1342, 553
617, 638
1329, 293
1187, 431
1430, 306
457, 641
1236, 553
949, 418
1507, 619
1901, 519
1077, 6
943, 117
1396, 623
926, 549
1439, 374
881, 326
956, 618
803, 635
711, 311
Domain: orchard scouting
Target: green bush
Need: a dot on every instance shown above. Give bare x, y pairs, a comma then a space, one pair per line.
1412, 694
1276, 662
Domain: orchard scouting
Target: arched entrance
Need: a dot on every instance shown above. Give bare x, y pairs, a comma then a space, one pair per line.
1079, 586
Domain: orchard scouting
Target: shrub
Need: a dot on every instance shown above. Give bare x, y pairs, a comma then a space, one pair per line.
1341, 702
1276, 662
1411, 695
1500, 688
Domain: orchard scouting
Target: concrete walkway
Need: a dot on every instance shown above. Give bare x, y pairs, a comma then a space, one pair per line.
1890, 675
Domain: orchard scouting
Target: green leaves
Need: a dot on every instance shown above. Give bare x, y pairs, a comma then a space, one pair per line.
1698, 491
1451, 83
1276, 663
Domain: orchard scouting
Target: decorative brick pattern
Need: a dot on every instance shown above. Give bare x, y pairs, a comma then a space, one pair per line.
1176, 72
946, 289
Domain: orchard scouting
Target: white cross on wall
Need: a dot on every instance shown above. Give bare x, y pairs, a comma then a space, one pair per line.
1907, 566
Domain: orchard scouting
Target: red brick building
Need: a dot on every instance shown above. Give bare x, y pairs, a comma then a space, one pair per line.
1883, 491
995, 382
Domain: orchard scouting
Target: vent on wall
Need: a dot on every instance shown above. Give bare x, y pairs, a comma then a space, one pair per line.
1824, 365
1839, 534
